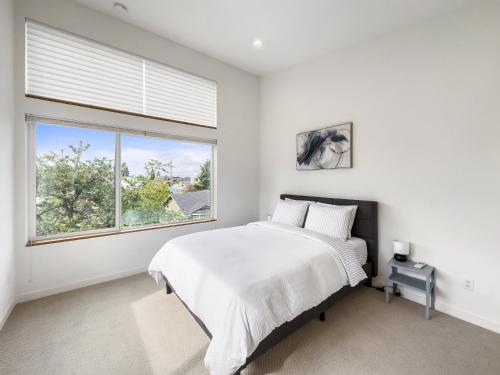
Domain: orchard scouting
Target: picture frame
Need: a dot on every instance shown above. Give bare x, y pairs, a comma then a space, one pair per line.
325, 148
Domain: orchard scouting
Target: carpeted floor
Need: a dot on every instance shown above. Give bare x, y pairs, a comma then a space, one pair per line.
130, 326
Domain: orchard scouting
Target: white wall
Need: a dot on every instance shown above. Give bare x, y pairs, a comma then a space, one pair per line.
47, 269
7, 266
426, 113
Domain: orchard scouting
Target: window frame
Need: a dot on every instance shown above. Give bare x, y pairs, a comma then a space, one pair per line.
31, 122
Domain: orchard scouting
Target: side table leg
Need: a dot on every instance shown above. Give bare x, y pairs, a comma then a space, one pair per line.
427, 297
388, 284
433, 293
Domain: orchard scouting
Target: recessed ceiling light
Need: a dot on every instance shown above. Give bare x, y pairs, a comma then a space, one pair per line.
257, 43
120, 7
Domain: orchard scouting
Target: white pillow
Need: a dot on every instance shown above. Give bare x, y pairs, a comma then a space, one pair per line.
290, 212
330, 220
352, 210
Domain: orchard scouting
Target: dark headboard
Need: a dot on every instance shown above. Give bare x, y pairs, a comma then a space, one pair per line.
365, 225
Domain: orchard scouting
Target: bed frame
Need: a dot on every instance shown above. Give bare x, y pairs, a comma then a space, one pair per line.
365, 227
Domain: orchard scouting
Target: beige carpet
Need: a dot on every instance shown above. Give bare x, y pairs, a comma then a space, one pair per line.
131, 327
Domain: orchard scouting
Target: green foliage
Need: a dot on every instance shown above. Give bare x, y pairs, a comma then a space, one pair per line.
125, 171
74, 195
203, 180
155, 168
145, 201
145, 198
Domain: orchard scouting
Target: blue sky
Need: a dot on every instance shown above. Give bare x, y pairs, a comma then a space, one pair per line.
136, 150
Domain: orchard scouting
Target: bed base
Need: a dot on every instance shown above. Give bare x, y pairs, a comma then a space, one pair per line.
286, 329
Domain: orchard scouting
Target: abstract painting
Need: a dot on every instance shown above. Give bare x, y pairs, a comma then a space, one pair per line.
327, 148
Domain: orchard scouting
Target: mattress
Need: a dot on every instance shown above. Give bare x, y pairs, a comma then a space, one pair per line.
359, 248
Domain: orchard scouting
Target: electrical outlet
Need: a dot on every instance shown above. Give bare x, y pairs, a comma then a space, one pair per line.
469, 284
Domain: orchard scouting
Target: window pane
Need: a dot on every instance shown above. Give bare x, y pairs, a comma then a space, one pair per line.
164, 181
75, 183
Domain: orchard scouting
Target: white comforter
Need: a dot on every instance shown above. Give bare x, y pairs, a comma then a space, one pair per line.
243, 282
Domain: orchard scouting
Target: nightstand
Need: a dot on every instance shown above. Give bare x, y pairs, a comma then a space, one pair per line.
394, 278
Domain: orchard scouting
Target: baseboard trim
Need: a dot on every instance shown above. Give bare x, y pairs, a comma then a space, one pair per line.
454, 311
7, 313
32, 295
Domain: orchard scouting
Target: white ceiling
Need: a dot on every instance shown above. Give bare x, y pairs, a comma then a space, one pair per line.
292, 31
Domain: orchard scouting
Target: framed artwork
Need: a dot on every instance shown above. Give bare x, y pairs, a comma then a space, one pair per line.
326, 148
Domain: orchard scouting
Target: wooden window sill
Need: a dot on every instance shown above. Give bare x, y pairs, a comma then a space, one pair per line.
112, 233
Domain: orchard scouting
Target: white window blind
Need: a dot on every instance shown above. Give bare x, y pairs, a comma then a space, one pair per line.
63, 66
171, 93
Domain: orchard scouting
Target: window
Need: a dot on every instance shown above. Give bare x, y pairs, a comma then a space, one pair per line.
75, 180
88, 179
164, 181
65, 67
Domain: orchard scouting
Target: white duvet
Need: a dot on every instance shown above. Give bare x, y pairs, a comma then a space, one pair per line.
243, 282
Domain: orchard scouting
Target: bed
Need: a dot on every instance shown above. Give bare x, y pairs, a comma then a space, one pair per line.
250, 287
